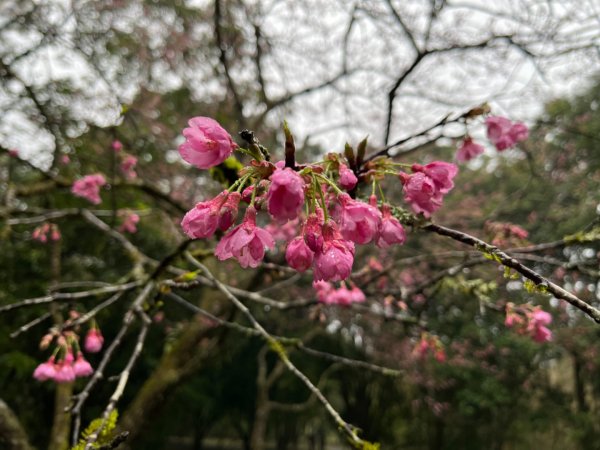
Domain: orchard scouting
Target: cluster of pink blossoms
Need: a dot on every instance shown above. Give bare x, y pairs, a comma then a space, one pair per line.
322, 223
88, 187
67, 361
328, 294
130, 221
45, 231
502, 133
530, 320
430, 345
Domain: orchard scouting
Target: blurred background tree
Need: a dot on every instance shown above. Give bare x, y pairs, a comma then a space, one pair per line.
75, 76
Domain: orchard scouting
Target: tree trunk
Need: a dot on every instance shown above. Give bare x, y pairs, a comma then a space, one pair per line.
12, 435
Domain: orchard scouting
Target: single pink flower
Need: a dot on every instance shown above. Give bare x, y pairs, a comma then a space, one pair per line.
207, 143
13, 153
518, 132
420, 193
540, 317
128, 167
45, 371
117, 146
202, 221
93, 341
88, 187
359, 221
246, 242
54, 232
82, 367
64, 372
334, 261
65, 159
440, 172
347, 178
468, 150
286, 194
391, 231
130, 220
542, 334
298, 255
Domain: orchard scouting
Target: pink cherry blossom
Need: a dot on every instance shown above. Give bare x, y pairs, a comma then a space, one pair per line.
519, 132
202, 221
130, 220
298, 255
82, 367
334, 261
45, 371
468, 150
391, 231
93, 341
345, 297
117, 146
440, 172
207, 143
128, 167
64, 372
505, 134
88, 187
347, 178
420, 193
246, 242
359, 221
65, 159
286, 194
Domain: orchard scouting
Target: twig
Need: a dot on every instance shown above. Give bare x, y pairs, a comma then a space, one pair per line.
70, 295
123, 379
503, 258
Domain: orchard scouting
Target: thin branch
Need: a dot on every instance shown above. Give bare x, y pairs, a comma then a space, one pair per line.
503, 258
349, 430
70, 295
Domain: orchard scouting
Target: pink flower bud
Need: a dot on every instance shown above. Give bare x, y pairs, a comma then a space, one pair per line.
82, 367
93, 341
298, 255
246, 242
391, 231
334, 261
64, 373
347, 178
286, 194
201, 222
207, 143
45, 371
117, 146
